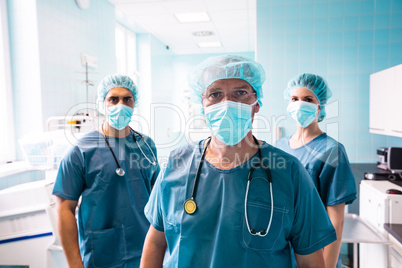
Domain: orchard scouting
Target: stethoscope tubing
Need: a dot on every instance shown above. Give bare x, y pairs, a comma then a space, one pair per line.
249, 179
119, 170
246, 215
197, 175
149, 148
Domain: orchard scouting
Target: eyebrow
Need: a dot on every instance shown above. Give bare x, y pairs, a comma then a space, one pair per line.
213, 89
245, 86
308, 96
126, 96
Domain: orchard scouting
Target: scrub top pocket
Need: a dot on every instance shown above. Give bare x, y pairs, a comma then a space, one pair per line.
258, 219
107, 247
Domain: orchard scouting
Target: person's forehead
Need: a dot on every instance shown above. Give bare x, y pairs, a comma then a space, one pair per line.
119, 91
229, 83
302, 91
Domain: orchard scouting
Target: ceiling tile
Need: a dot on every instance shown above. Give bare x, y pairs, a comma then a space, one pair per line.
231, 21
219, 5
143, 8
185, 6
229, 16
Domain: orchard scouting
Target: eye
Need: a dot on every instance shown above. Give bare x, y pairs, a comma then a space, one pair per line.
127, 99
214, 95
240, 93
294, 99
113, 99
308, 99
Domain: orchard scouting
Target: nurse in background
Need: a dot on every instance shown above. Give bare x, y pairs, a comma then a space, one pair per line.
324, 158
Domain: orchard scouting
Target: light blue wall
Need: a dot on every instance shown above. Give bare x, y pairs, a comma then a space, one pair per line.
342, 40
46, 41
66, 31
155, 84
170, 96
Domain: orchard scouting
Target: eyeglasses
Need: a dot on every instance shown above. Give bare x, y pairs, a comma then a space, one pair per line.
238, 95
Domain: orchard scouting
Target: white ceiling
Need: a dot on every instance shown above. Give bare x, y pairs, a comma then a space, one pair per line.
233, 23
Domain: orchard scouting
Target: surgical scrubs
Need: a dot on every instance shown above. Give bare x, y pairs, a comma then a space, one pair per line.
111, 221
216, 235
326, 161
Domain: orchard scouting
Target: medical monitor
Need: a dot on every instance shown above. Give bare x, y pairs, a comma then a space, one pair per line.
395, 159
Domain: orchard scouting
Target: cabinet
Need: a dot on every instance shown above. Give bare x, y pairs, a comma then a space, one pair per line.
376, 208
28, 227
385, 102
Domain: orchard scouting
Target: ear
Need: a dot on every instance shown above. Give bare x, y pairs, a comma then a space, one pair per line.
318, 113
257, 107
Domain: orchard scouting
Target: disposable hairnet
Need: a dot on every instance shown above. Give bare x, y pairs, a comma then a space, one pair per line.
315, 84
112, 81
226, 67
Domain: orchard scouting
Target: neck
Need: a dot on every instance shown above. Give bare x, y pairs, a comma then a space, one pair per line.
305, 135
226, 157
112, 132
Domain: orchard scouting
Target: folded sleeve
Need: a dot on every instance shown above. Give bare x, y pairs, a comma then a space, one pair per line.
70, 181
153, 209
337, 180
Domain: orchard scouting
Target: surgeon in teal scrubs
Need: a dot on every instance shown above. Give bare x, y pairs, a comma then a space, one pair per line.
232, 200
323, 157
112, 169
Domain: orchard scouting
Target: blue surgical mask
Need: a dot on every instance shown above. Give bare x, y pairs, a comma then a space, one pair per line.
119, 116
229, 121
303, 112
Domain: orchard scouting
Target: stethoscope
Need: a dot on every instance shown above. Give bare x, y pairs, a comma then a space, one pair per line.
119, 170
190, 206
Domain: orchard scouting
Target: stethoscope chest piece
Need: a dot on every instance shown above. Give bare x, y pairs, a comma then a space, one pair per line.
190, 206
120, 172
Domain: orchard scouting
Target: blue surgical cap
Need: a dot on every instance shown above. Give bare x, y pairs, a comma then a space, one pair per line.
315, 84
112, 81
226, 67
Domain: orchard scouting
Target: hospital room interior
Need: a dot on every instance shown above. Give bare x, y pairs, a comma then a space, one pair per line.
54, 54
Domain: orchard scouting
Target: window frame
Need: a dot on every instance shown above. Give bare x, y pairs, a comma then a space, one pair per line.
127, 64
7, 154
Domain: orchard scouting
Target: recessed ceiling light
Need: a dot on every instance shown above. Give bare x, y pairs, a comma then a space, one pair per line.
192, 17
203, 33
209, 44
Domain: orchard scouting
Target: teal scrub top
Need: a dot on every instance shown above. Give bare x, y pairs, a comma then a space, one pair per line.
326, 161
216, 235
111, 221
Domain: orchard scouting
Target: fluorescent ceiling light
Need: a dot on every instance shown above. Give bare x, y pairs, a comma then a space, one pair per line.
209, 44
192, 17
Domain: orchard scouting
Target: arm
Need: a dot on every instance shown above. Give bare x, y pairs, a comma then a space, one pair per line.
68, 231
315, 259
154, 249
336, 214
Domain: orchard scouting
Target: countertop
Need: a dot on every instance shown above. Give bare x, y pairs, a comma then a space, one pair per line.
395, 230
359, 170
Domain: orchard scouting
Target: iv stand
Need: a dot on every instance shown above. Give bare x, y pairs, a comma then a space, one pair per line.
87, 84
